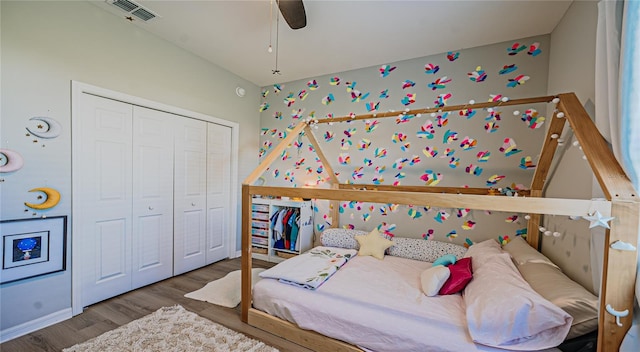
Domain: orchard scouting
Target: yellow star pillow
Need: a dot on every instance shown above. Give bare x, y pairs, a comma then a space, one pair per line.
373, 244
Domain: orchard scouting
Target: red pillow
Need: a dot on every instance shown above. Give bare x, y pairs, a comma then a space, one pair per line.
461, 274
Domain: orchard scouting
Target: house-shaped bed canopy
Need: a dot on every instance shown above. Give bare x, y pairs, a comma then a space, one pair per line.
619, 265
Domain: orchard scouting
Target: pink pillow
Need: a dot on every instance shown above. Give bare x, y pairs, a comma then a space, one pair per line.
461, 274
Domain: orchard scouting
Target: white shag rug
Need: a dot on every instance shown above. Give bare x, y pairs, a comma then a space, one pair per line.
172, 329
224, 291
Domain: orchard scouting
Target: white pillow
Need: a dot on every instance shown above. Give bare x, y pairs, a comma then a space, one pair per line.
343, 238
503, 311
523, 253
565, 293
483, 251
433, 279
424, 250
410, 248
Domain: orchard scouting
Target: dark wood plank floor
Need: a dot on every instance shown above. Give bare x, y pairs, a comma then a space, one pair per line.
120, 310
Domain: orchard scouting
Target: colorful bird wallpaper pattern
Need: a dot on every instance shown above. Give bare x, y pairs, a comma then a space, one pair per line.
495, 147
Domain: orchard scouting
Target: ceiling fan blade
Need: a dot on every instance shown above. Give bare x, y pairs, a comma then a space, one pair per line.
293, 12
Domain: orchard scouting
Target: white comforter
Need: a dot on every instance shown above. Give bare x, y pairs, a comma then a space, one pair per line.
348, 307
310, 269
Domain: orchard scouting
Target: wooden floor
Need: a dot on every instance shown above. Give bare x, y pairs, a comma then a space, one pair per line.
120, 310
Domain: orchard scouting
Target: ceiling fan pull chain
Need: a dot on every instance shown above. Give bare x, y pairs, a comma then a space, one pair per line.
276, 71
270, 49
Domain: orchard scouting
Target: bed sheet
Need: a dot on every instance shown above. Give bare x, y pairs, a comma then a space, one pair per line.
374, 304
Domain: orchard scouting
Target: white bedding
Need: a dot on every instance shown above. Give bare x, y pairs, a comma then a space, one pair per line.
347, 307
310, 269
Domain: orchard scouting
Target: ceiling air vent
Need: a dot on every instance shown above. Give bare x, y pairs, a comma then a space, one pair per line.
143, 14
127, 6
133, 9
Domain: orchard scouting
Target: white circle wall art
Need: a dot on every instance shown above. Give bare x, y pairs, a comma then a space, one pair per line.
51, 198
10, 161
49, 128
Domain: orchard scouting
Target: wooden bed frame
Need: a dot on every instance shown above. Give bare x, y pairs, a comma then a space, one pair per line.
619, 266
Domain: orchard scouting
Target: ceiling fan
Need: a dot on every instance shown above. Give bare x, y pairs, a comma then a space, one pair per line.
293, 12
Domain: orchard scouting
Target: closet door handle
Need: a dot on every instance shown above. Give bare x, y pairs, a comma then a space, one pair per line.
193, 204
150, 208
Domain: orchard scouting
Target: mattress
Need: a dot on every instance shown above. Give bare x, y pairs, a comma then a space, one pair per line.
348, 307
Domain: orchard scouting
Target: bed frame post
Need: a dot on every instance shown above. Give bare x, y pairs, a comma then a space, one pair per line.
619, 267
246, 216
618, 276
246, 253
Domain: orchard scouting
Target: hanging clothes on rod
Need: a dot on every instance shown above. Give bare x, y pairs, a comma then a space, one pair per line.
285, 227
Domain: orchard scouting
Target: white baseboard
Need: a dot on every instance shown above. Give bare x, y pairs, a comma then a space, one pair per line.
33, 325
238, 254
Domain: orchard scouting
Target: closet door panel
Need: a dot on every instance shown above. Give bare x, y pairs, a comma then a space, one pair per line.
111, 248
152, 246
192, 241
190, 195
150, 249
104, 181
216, 223
112, 159
218, 191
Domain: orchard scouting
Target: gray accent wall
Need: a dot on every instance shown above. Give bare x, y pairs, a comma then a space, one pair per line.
358, 152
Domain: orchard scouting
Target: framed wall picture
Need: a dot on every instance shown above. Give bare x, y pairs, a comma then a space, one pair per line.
32, 247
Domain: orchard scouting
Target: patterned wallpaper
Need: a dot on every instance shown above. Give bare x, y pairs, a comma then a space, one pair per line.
492, 147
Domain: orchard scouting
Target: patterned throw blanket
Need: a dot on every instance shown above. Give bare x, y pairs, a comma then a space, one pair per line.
310, 269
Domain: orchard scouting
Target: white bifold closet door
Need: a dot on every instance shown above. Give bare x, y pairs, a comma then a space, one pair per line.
190, 204
125, 183
202, 194
152, 245
218, 191
104, 176
151, 195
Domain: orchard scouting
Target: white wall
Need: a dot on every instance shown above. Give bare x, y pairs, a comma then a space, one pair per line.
571, 69
47, 44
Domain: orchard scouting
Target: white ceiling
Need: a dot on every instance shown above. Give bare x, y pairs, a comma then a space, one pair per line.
340, 35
